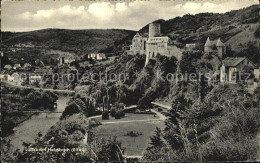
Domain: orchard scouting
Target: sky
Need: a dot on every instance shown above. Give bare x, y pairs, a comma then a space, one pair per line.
28, 15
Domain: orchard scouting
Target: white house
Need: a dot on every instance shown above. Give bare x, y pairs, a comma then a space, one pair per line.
97, 56
101, 56
35, 78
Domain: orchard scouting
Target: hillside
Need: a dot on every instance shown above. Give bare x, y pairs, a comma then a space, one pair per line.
78, 41
235, 28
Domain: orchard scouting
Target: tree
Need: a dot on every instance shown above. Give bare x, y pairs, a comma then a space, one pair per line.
71, 109
105, 115
113, 112
156, 140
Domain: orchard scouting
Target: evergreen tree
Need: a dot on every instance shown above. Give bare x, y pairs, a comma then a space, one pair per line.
156, 140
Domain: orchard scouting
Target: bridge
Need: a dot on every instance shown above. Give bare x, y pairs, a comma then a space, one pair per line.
40, 111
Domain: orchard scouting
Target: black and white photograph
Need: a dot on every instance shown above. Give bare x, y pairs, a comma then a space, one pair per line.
130, 81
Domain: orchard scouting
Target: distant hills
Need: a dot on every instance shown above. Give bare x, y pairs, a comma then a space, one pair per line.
78, 41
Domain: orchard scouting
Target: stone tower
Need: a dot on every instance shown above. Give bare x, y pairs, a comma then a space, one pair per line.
154, 30
221, 48
208, 46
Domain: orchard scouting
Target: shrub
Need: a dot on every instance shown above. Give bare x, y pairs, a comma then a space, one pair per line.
113, 112
119, 114
105, 115
133, 133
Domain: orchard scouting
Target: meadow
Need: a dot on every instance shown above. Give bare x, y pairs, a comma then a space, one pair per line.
133, 145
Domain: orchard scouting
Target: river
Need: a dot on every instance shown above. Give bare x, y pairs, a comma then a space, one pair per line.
29, 129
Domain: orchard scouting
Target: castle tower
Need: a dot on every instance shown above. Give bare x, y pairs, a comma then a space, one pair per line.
154, 30
221, 48
208, 46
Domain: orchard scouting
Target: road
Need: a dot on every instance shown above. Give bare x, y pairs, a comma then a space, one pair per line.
44, 89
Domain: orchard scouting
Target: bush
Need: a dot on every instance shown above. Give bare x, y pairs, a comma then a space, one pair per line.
119, 114
133, 133
113, 112
105, 115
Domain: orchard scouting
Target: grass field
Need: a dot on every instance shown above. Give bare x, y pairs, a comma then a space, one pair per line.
132, 145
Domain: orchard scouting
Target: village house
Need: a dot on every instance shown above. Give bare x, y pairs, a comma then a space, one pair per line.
43, 71
231, 66
92, 56
17, 66
9, 78
101, 56
35, 78
27, 66
97, 56
256, 73
257, 77
65, 59
190, 47
8, 67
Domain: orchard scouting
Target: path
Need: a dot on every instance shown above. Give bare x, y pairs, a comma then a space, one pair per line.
44, 89
162, 105
160, 115
144, 120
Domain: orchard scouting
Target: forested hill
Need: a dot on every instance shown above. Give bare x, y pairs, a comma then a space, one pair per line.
91, 40
192, 28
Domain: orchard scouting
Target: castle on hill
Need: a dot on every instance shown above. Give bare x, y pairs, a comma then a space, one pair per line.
154, 44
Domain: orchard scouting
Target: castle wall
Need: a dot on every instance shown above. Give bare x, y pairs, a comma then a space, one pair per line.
163, 49
207, 49
221, 51
138, 45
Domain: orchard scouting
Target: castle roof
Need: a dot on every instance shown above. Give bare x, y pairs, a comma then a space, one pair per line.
137, 34
208, 43
214, 42
219, 43
233, 61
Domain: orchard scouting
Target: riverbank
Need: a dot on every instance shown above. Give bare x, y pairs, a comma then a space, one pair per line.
27, 131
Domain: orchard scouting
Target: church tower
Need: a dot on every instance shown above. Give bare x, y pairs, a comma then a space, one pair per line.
221, 47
